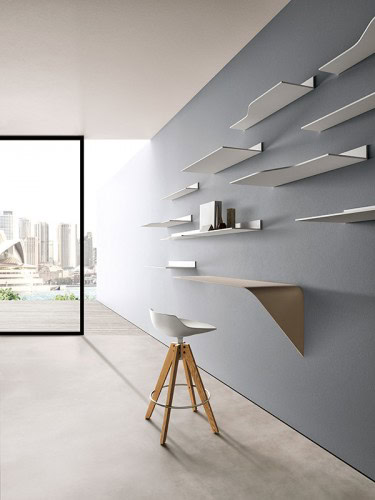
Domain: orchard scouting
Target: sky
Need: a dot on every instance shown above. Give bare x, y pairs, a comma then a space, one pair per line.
40, 179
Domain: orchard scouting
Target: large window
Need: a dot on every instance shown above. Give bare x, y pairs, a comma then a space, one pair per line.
42, 243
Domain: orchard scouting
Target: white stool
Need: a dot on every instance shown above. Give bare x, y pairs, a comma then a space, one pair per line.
178, 327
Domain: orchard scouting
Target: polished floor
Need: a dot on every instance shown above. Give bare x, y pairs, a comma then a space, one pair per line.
73, 428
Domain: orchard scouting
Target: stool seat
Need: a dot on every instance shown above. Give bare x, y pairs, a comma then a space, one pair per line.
178, 327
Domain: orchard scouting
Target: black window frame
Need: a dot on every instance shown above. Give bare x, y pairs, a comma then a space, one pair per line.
79, 138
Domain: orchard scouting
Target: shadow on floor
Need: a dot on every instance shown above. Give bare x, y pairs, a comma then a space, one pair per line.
116, 370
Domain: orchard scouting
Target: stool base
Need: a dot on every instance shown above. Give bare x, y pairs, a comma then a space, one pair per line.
175, 353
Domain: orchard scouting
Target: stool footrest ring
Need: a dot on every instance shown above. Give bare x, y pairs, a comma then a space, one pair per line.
180, 407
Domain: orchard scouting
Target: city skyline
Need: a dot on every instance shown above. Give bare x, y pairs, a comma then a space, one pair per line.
38, 240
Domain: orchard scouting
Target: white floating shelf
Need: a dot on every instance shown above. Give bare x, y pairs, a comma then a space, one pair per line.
223, 158
177, 264
182, 192
361, 214
172, 222
284, 175
273, 100
255, 225
365, 47
343, 114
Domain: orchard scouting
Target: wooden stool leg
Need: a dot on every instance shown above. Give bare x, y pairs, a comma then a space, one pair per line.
172, 381
162, 377
188, 355
190, 384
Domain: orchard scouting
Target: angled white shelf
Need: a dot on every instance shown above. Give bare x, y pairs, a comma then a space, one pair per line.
361, 214
182, 192
283, 301
171, 222
276, 98
222, 158
365, 47
177, 264
255, 225
279, 176
341, 115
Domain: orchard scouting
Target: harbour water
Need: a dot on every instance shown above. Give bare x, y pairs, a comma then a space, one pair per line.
89, 293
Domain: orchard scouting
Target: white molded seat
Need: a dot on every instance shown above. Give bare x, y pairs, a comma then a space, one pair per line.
178, 327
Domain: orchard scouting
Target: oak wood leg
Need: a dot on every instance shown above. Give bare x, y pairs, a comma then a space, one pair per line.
172, 381
162, 377
188, 355
190, 384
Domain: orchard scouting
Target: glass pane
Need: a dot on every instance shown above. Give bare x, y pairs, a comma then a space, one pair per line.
40, 278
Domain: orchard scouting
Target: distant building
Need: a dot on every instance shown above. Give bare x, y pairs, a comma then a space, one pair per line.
6, 224
41, 231
31, 249
95, 255
78, 253
50, 273
66, 245
14, 272
51, 252
24, 228
88, 249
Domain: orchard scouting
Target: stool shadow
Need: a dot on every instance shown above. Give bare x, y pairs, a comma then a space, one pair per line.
116, 370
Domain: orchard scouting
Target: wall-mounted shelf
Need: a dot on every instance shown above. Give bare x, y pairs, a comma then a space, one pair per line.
177, 264
172, 222
343, 114
223, 158
284, 175
365, 47
273, 100
182, 192
361, 214
283, 301
255, 225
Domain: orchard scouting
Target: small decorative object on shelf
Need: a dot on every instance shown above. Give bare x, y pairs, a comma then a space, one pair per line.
210, 215
250, 224
231, 217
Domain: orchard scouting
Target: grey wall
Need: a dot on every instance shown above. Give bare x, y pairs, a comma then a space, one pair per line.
329, 394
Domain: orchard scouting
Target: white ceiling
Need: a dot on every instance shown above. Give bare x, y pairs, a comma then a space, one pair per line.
115, 69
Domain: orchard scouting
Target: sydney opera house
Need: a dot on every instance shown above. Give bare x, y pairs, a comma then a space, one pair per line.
14, 273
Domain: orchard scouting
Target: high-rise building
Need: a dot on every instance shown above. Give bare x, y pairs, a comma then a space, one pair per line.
24, 228
88, 251
41, 231
66, 245
78, 252
95, 255
31, 249
6, 224
51, 252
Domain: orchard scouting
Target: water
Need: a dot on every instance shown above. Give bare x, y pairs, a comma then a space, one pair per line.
89, 293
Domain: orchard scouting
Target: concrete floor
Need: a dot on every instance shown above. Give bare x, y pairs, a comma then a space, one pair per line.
73, 428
